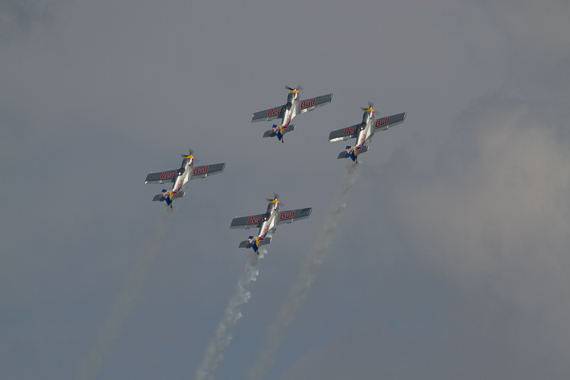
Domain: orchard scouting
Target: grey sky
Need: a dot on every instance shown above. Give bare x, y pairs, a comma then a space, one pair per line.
452, 257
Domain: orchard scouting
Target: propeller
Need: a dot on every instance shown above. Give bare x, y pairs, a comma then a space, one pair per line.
275, 197
190, 151
370, 105
298, 88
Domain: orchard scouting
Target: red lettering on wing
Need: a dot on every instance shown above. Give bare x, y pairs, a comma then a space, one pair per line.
305, 104
274, 112
201, 171
253, 220
284, 215
380, 123
350, 131
165, 175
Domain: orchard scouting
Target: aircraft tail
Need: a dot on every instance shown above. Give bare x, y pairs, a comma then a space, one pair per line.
353, 152
254, 242
167, 196
278, 131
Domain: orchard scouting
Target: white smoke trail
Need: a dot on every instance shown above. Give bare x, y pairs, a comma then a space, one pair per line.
92, 363
214, 353
290, 308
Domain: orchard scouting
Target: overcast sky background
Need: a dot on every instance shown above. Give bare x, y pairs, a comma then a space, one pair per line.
452, 259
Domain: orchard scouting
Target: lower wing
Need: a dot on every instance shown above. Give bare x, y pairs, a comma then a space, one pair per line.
344, 134
387, 122
294, 215
247, 222
269, 114
206, 170
310, 104
161, 177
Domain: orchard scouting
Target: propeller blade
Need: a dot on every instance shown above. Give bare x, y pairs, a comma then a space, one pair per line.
289, 88
298, 88
190, 151
370, 105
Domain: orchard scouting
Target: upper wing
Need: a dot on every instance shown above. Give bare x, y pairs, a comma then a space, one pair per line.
269, 114
389, 121
310, 104
247, 222
344, 134
161, 177
206, 170
294, 215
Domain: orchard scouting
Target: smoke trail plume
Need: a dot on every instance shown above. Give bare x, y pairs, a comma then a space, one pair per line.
92, 363
214, 353
290, 308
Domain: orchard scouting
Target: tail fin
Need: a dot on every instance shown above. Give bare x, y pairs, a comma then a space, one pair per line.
278, 131
254, 242
353, 152
167, 196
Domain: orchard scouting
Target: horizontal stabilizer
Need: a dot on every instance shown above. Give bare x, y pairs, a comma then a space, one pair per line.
160, 197
272, 132
289, 128
345, 154
179, 195
247, 244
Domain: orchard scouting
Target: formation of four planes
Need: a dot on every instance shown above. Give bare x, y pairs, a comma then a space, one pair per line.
268, 222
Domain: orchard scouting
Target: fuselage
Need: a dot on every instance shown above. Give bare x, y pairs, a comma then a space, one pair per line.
365, 134
269, 218
182, 175
290, 109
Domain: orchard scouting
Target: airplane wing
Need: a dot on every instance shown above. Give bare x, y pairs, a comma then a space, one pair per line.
206, 170
266, 115
247, 222
161, 177
310, 104
344, 134
294, 215
387, 122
